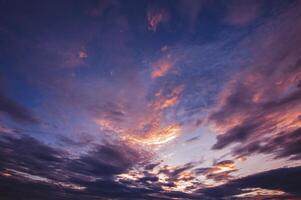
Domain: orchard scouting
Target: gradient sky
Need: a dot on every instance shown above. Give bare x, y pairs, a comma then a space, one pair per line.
157, 99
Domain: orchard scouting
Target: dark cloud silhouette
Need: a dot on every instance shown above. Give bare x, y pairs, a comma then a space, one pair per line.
236, 134
42, 172
42, 160
106, 161
28, 155
283, 179
286, 145
11, 188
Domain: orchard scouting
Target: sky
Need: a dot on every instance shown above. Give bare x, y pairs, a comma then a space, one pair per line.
150, 99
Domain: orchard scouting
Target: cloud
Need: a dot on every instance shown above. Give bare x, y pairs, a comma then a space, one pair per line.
7, 130
15, 110
43, 172
162, 101
161, 69
42, 160
39, 159
106, 160
52, 171
119, 112
161, 177
283, 179
235, 134
107, 171
12, 188
220, 172
155, 16
286, 146
144, 122
260, 106
185, 178
24, 159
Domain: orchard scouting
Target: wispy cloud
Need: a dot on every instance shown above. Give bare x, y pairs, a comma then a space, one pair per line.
156, 15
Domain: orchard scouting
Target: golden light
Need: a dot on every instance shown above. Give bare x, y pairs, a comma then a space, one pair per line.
161, 69
156, 137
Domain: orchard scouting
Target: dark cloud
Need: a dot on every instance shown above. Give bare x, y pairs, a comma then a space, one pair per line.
106, 161
42, 172
151, 166
11, 188
42, 160
28, 155
283, 179
236, 134
285, 145
15, 110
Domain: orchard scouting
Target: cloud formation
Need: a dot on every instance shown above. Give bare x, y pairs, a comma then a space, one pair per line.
259, 109
15, 110
156, 15
283, 179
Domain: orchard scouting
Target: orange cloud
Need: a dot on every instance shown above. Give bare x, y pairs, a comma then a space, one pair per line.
227, 165
182, 178
259, 193
170, 178
163, 102
161, 69
155, 135
149, 127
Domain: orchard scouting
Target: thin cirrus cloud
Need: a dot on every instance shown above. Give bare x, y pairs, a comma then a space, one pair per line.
156, 16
